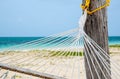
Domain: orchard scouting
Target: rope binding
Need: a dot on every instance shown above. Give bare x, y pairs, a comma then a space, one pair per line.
87, 4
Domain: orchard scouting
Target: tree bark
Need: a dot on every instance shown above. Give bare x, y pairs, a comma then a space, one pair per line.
96, 27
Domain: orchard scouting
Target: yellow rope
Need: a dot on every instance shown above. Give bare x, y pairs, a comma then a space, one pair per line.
87, 4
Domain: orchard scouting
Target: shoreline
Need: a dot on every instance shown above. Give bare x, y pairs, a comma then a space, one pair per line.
112, 48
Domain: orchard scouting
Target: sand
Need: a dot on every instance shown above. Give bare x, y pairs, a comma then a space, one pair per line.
69, 67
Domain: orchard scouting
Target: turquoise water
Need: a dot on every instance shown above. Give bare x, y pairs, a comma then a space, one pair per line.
39, 42
113, 40
11, 41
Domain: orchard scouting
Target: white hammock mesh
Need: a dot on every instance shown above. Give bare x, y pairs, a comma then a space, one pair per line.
58, 56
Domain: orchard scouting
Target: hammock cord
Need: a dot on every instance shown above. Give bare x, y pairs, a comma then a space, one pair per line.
62, 57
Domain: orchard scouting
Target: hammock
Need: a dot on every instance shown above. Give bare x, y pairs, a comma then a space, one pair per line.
59, 56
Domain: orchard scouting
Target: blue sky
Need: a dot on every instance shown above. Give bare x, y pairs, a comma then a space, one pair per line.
46, 17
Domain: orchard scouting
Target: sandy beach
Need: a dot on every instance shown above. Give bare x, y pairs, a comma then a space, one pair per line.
67, 65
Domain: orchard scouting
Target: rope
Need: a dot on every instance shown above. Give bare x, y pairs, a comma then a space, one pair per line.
87, 4
96, 57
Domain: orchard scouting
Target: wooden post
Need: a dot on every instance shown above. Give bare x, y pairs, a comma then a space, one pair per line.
96, 27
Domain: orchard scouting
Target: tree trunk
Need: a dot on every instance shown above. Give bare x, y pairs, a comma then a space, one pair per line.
96, 27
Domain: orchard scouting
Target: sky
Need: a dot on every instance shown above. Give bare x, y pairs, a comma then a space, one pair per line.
21, 18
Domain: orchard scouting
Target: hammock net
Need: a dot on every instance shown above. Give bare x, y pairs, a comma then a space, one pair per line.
59, 56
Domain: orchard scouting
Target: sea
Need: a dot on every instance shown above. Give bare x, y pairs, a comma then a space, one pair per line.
12, 41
